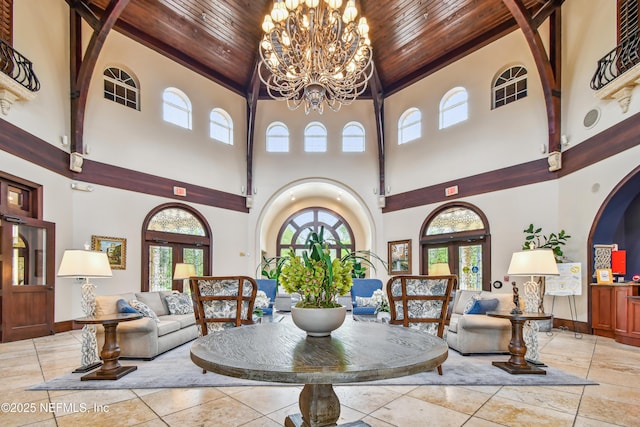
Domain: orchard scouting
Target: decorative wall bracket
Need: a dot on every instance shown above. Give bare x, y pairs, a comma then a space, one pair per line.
11, 91
555, 161
621, 87
75, 162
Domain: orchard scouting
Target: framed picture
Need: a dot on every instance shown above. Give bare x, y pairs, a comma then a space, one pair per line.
399, 257
114, 247
604, 276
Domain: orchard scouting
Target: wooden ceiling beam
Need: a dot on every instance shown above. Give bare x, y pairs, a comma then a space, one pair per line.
549, 74
253, 94
82, 68
377, 94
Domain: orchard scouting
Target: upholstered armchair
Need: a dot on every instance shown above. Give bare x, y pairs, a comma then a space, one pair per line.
222, 302
421, 302
361, 293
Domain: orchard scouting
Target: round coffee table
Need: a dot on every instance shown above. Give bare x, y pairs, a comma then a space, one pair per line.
517, 363
280, 352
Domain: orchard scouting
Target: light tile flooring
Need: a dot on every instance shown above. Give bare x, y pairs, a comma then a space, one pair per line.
615, 401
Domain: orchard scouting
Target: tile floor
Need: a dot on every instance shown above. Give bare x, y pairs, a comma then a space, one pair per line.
615, 401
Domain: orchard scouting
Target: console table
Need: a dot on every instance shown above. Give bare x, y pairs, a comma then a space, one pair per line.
517, 364
111, 368
280, 352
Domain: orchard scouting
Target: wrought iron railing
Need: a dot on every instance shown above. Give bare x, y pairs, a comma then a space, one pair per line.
615, 63
16, 66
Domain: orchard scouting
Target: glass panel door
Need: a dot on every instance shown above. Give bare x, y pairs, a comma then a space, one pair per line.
470, 267
193, 256
160, 268
437, 255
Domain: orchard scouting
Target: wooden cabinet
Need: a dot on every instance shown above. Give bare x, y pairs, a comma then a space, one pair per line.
615, 312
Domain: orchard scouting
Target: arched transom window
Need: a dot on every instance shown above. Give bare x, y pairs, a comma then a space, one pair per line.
315, 138
454, 107
173, 233
176, 107
296, 229
277, 138
221, 126
458, 235
409, 126
510, 86
120, 87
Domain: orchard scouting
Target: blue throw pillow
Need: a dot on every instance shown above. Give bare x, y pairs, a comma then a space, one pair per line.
125, 307
481, 306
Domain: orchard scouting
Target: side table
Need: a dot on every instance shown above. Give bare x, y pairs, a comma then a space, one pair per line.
517, 363
110, 353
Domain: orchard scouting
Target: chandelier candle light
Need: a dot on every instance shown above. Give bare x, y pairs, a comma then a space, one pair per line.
313, 53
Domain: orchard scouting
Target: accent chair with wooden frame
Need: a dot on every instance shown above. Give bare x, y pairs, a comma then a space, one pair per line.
421, 302
222, 302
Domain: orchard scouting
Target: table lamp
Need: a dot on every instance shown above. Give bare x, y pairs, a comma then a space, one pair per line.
534, 262
87, 265
184, 271
439, 269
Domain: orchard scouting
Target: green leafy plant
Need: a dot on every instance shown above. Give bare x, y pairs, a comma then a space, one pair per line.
534, 239
317, 277
270, 268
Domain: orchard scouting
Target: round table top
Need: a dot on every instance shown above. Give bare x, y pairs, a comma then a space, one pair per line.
102, 319
521, 316
280, 352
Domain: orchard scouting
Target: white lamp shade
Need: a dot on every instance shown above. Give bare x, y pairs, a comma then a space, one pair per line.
537, 262
184, 271
89, 264
439, 269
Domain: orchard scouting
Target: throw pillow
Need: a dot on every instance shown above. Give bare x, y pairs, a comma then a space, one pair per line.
179, 303
470, 302
144, 309
364, 302
124, 307
481, 306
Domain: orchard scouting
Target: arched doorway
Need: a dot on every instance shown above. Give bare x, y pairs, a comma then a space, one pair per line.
458, 234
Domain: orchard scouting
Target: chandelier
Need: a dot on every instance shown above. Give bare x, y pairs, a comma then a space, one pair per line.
313, 54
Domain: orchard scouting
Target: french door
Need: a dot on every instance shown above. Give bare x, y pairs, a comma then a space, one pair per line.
465, 259
27, 254
164, 256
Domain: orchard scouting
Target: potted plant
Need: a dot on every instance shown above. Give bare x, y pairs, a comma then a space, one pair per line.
380, 299
270, 269
319, 279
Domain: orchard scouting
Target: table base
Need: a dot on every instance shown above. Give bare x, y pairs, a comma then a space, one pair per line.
519, 369
296, 421
87, 368
112, 374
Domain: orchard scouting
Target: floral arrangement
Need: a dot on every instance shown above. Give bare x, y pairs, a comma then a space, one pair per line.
379, 298
317, 277
261, 301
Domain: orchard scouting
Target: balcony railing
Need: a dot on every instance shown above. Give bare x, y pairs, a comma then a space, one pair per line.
16, 66
616, 62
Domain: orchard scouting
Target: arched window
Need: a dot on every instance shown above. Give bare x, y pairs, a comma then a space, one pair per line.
121, 87
510, 86
454, 107
458, 234
176, 107
173, 233
315, 138
353, 138
277, 138
409, 126
294, 231
221, 126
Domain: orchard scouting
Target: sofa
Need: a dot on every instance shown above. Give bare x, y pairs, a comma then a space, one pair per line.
146, 338
361, 292
478, 333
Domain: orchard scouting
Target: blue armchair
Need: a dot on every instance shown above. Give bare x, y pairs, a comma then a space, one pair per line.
364, 288
268, 286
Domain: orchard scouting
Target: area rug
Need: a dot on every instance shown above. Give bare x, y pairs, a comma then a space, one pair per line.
175, 369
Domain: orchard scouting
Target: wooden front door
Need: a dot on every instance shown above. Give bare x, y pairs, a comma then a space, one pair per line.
27, 254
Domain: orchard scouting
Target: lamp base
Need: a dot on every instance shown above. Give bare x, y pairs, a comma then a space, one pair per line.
87, 368
516, 311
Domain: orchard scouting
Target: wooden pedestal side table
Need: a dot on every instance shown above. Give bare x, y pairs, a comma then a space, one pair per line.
517, 363
110, 353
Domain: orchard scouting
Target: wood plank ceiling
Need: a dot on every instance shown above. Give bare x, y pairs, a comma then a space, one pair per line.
410, 38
